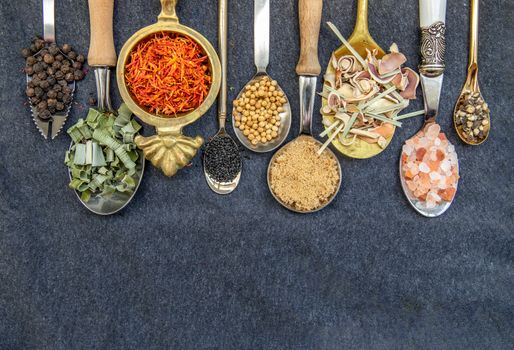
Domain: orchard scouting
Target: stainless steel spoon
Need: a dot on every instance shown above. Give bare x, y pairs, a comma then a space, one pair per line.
53, 125
216, 186
471, 84
432, 21
308, 69
261, 37
102, 57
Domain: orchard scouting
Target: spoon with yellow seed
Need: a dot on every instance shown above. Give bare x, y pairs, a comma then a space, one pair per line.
471, 116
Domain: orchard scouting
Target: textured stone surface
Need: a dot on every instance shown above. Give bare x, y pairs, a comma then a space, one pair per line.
183, 268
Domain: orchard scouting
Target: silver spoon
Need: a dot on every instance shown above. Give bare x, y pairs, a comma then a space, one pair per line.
217, 186
432, 18
102, 56
53, 125
261, 56
308, 69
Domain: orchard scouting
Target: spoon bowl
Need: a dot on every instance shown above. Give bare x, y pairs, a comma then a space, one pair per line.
283, 130
106, 205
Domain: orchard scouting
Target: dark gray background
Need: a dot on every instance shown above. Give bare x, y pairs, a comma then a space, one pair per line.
183, 268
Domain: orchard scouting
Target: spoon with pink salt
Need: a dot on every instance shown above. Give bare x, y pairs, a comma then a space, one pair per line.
429, 167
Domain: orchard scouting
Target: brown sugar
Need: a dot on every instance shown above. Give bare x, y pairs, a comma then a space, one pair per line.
301, 178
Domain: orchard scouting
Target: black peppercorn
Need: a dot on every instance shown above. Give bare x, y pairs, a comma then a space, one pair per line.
66, 48
50, 71
38, 91
29, 70
42, 105
34, 100
56, 65
44, 84
59, 75
59, 106
59, 96
44, 65
31, 60
52, 94
72, 55
66, 99
78, 75
53, 49
45, 114
59, 58
39, 43
33, 49
69, 77
43, 52
51, 102
65, 69
42, 75
37, 67
62, 82
39, 59
30, 92
26, 52
81, 58
52, 109
48, 58
77, 65
31, 84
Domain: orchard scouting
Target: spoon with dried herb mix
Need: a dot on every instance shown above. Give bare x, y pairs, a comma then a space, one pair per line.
221, 158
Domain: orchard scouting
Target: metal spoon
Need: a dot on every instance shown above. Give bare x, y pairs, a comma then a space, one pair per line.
471, 84
360, 40
432, 21
308, 69
216, 186
54, 124
102, 56
261, 52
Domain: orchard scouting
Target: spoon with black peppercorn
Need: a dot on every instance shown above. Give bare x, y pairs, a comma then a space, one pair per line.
221, 158
51, 74
471, 117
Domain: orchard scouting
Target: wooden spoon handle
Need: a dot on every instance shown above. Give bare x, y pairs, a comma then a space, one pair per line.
101, 45
309, 12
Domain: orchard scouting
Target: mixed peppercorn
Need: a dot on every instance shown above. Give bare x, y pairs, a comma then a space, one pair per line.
472, 117
51, 71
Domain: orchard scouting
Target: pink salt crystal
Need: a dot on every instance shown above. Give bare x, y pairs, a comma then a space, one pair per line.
445, 165
412, 185
437, 141
435, 176
430, 204
433, 131
424, 168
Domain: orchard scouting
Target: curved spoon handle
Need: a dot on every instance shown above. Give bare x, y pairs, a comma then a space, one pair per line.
168, 12
310, 19
261, 30
222, 43
473, 34
361, 24
432, 18
49, 21
101, 45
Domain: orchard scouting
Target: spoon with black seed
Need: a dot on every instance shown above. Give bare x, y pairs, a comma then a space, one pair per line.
221, 158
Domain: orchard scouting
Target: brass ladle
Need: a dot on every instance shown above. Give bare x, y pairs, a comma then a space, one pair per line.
360, 40
169, 150
471, 84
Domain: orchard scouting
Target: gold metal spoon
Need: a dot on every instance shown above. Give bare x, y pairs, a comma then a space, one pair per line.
471, 84
360, 40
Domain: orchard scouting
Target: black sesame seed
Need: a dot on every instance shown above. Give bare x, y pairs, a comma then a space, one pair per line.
221, 159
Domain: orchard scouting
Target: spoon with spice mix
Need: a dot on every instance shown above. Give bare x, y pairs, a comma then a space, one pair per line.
302, 176
471, 117
261, 115
221, 158
429, 168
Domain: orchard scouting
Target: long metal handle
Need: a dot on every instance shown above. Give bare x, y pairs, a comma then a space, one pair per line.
222, 42
361, 24
261, 29
432, 17
49, 21
473, 33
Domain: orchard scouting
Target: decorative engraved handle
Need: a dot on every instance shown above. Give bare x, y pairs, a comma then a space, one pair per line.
168, 12
169, 149
433, 47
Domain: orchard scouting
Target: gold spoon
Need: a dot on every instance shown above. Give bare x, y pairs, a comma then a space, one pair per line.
471, 84
360, 40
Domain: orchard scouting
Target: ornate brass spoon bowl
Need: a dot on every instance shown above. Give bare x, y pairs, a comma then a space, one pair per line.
169, 150
360, 40
471, 85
